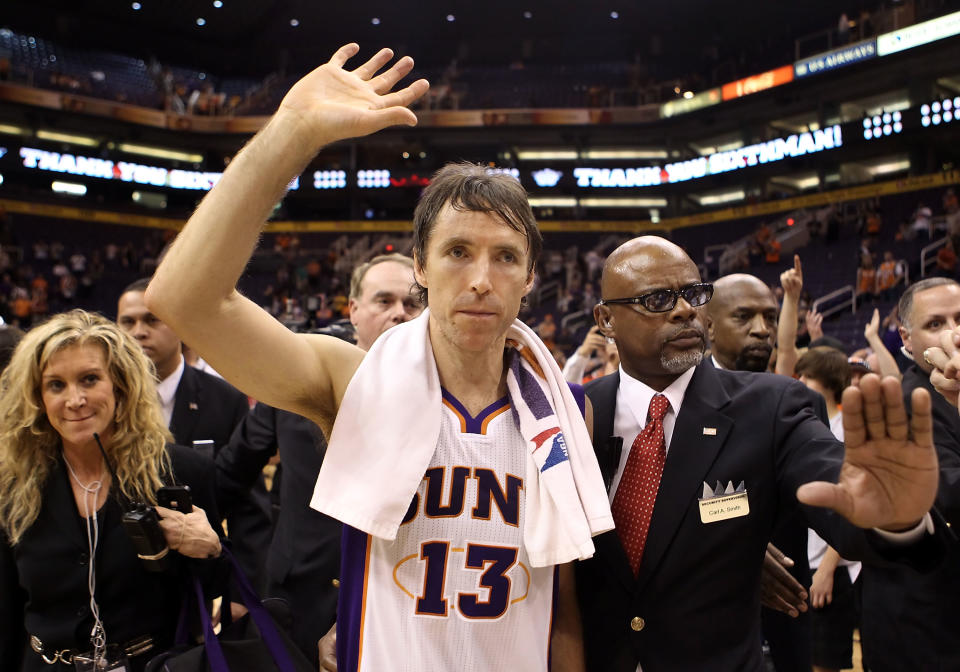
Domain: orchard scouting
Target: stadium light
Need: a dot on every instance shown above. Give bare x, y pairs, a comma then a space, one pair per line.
10, 129
68, 138
623, 202
553, 202
719, 198
637, 153
547, 154
72, 188
160, 152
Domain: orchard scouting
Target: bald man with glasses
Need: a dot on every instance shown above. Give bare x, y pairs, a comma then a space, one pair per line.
702, 465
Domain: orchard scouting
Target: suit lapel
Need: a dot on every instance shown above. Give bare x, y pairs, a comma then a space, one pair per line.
690, 456
186, 406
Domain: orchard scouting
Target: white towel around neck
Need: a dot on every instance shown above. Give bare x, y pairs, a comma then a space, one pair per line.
387, 429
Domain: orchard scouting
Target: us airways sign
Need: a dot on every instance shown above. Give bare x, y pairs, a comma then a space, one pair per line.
838, 58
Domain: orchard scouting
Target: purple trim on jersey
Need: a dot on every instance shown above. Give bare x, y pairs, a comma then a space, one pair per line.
580, 396
353, 567
553, 614
474, 425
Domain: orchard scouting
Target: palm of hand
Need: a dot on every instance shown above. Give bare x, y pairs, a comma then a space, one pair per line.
888, 483
888, 478
336, 103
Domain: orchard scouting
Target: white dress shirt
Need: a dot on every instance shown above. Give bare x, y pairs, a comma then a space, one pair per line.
167, 389
633, 403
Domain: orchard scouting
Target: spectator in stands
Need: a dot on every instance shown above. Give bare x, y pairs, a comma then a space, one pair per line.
889, 275
547, 330
9, 338
772, 251
866, 279
947, 260
832, 595
843, 29
923, 221
595, 357
873, 223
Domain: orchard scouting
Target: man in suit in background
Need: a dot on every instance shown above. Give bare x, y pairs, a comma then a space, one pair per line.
742, 325
909, 619
303, 561
723, 456
201, 410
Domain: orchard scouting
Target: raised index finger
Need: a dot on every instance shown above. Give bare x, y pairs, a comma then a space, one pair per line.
796, 264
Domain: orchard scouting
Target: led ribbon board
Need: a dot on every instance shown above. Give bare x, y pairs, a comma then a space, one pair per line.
836, 58
792, 146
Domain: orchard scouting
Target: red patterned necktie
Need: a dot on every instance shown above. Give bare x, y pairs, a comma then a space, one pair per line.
637, 491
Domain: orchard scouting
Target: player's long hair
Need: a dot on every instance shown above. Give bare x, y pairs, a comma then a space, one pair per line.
29, 445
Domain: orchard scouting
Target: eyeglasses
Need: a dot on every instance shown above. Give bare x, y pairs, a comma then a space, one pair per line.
663, 300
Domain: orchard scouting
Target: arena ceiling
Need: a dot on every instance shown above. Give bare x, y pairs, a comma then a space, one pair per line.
252, 37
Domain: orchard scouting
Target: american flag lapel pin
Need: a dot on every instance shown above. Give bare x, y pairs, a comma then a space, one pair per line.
709, 431
193, 407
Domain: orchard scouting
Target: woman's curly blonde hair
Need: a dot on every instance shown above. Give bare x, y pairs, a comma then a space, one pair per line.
29, 445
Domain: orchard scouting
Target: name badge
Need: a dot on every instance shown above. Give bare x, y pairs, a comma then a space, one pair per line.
724, 507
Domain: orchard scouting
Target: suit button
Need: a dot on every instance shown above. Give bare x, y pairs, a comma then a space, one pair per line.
335, 583
637, 624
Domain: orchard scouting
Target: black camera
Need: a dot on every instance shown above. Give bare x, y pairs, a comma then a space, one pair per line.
143, 527
141, 524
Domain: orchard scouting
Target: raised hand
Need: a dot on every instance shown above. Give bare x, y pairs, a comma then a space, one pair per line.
889, 475
872, 329
792, 279
814, 322
593, 342
945, 360
335, 103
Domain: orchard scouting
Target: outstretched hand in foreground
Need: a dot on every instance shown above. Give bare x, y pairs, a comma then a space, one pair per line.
336, 103
889, 475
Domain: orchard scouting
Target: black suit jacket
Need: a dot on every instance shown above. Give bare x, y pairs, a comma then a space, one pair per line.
209, 408
43, 579
303, 561
695, 604
909, 619
206, 407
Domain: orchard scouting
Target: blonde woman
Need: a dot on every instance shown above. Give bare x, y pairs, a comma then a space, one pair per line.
71, 584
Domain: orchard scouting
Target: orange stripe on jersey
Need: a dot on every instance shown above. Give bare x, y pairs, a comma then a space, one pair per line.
463, 420
527, 592
363, 609
397, 581
493, 414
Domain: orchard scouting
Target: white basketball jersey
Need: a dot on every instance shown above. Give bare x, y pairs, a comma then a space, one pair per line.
455, 590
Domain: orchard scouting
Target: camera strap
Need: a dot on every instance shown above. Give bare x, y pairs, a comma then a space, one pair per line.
98, 636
